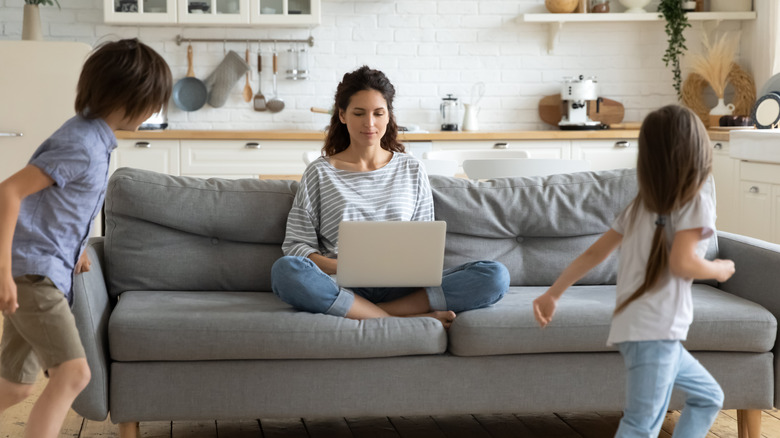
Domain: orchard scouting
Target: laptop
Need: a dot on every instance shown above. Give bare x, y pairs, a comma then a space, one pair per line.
391, 253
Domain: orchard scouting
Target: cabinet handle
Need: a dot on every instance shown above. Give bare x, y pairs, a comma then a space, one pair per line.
622, 144
252, 145
11, 134
501, 146
753, 189
143, 144
718, 146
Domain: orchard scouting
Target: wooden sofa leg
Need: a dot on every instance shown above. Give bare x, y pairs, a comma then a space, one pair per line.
749, 423
129, 430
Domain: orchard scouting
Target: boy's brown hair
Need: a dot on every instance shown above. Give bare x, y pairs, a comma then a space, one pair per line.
123, 75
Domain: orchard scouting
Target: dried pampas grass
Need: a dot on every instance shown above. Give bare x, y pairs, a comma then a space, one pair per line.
716, 62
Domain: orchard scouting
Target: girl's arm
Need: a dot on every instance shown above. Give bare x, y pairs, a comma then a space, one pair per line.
545, 304
684, 262
326, 264
20, 185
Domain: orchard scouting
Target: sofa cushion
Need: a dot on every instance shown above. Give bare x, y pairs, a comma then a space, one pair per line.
188, 326
534, 226
168, 232
722, 322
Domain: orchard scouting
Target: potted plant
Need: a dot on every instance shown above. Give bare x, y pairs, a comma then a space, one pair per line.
676, 22
31, 24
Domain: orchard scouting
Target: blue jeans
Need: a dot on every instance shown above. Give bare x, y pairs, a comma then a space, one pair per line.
654, 368
300, 283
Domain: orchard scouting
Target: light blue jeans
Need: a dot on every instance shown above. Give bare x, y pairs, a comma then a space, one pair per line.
654, 368
300, 283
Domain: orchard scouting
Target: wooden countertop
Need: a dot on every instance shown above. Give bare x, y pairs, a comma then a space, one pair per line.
604, 134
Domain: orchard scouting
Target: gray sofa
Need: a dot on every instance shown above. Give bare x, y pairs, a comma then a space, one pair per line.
178, 322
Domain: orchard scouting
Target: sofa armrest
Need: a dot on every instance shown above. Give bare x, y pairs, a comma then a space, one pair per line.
756, 278
92, 308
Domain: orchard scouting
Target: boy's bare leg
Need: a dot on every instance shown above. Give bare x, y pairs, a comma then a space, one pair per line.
66, 381
12, 393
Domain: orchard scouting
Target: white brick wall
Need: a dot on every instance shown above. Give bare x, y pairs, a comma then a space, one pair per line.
427, 48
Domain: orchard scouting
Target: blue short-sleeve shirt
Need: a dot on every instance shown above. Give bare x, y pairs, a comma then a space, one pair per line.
55, 223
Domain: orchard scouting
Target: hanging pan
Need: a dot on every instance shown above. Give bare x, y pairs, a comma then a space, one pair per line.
190, 93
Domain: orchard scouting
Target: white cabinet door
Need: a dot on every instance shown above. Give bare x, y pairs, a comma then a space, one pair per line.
139, 11
535, 148
244, 158
606, 154
156, 155
37, 90
755, 209
285, 12
213, 11
725, 172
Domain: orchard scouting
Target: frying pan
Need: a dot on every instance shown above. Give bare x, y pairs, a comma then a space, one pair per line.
190, 93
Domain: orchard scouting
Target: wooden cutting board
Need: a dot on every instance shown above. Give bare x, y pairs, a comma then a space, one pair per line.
610, 111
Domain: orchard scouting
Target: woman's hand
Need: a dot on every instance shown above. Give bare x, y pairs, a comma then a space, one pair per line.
544, 308
83, 264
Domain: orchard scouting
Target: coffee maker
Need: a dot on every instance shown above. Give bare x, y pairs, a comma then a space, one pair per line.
575, 95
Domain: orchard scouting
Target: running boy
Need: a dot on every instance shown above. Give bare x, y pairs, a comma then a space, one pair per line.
46, 213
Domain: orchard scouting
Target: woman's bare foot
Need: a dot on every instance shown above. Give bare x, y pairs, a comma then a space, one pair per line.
445, 317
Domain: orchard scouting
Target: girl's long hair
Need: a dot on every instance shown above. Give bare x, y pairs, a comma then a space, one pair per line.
364, 78
674, 160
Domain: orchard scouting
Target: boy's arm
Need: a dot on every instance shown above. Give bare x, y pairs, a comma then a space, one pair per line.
544, 306
684, 262
12, 191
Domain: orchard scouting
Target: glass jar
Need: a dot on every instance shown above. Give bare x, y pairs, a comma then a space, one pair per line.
598, 6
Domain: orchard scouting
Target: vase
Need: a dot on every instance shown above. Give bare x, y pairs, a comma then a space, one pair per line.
31, 25
720, 110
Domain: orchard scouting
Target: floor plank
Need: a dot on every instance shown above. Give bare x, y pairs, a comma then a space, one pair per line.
417, 427
589, 425
327, 428
194, 429
503, 425
372, 427
284, 428
460, 426
770, 427
99, 429
156, 429
239, 429
547, 425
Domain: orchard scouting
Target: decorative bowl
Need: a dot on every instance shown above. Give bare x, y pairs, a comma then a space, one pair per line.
635, 6
561, 6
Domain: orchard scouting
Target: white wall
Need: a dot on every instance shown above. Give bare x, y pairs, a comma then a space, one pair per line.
428, 49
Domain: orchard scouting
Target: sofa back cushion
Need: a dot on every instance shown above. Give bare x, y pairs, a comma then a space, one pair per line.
534, 226
168, 232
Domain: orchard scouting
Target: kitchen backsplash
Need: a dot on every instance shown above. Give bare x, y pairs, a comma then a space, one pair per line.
427, 48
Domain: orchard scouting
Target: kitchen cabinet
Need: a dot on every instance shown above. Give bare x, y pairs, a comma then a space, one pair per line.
283, 13
139, 11
245, 158
606, 154
35, 102
725, 172
156, 155
535, 148
758, 200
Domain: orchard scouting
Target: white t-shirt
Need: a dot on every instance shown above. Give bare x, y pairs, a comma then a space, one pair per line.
665, 311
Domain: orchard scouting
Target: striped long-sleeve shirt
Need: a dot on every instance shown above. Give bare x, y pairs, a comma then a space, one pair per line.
399, 191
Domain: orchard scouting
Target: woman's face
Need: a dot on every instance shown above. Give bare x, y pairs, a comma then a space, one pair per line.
366, 118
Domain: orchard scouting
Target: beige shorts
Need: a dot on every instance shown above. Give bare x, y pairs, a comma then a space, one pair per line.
41, 334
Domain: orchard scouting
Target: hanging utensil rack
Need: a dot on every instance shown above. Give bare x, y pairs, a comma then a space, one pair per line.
180, 39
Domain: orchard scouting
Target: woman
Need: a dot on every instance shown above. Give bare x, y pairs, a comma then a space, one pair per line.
364, 175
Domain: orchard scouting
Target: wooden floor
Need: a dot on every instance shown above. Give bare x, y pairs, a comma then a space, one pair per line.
560, 425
